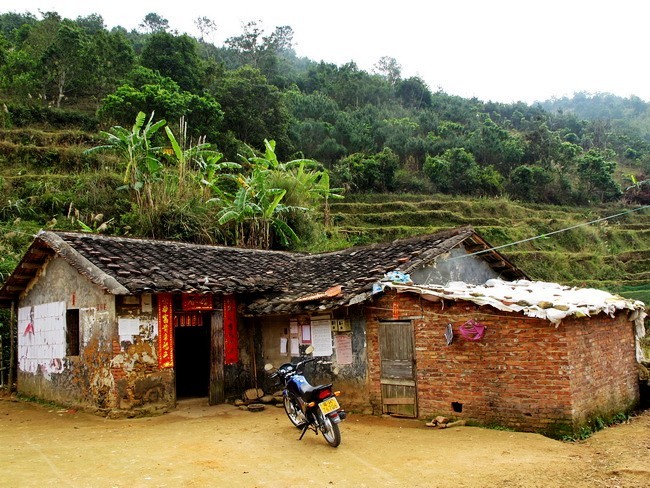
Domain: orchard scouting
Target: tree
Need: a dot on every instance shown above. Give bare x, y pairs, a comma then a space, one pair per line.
66, 60
390, 69
153, 23
456, 171
141, 160
531, 184
248, 44
112, 58
147, 91
494, 145
413, 93
12, 22
595, 171
20, 76
175, 57
205, 26
254, 110
367, 173
92, 24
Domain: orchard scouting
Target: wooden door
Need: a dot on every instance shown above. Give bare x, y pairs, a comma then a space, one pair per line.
398, 389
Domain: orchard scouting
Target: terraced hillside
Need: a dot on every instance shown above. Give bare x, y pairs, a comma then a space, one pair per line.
612, 254
45, 178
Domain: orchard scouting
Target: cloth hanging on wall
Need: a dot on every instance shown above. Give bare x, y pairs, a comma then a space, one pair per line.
472, 330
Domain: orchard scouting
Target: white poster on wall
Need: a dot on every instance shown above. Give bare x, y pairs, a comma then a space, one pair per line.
41, 338
321, 336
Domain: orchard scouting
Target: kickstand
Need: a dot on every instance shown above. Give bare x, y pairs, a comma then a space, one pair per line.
304, 429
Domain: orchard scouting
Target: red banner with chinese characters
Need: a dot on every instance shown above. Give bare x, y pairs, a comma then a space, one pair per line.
196, 302
230, 334
165, 331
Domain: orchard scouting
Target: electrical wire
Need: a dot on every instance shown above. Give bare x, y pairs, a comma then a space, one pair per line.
542, 236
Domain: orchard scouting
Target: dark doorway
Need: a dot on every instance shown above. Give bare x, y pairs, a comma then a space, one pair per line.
192, 358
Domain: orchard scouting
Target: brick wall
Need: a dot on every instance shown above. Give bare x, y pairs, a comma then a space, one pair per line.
525, 373
604, 378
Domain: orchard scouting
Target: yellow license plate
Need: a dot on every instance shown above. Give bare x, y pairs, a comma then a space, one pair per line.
329, 405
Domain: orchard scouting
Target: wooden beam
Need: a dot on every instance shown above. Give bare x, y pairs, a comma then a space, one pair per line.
20, 276
14, 288
217, 377
399, 401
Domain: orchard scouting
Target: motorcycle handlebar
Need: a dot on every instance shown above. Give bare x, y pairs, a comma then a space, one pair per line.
305, 361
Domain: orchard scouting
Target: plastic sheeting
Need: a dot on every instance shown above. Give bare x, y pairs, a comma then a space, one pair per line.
548, 301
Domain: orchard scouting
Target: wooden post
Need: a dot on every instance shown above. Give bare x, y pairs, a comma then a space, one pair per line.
12, 349
217, 377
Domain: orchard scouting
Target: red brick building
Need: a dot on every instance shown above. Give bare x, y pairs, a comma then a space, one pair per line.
524, 372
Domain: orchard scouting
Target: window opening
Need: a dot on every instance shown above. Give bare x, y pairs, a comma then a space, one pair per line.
72, 332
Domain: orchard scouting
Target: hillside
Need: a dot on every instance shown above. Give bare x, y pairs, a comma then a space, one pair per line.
613, 254
48, 182
512, 171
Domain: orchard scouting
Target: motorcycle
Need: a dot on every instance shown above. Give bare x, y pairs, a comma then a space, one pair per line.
309, 407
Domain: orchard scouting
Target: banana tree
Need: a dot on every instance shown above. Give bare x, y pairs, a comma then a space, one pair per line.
140, 158
256, 212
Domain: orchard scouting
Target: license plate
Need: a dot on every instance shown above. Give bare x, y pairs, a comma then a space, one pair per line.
329, 405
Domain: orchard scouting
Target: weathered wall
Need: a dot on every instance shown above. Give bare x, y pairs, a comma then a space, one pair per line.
448, 268
85, 379
117, 367
524, 373
347, 372
139, 382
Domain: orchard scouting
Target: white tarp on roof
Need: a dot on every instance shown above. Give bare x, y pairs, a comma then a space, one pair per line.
549, 301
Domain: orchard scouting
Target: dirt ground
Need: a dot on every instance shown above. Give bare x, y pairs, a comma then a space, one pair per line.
198, 445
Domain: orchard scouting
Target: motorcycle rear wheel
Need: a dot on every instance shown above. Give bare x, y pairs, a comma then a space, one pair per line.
330, 430
293, 412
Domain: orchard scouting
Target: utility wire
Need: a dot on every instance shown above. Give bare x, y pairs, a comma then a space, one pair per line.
541, 236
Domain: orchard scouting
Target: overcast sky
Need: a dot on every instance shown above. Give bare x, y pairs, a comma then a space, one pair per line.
500, 50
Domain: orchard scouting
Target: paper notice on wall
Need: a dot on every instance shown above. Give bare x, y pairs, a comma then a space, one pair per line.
127, 326
146, 303
343, 344
305, 334
321, 338
295, 343
283, 345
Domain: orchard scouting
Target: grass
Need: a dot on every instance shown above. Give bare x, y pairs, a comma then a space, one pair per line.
610, 254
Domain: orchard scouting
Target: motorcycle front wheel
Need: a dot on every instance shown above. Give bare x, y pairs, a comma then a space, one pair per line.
293, 412
330, 430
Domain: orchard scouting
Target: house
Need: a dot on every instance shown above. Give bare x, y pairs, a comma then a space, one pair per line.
128, 325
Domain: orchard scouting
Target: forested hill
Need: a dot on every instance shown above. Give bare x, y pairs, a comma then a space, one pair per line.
307, 131
375, 131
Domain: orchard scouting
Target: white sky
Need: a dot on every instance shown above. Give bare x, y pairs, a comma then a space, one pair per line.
500, 50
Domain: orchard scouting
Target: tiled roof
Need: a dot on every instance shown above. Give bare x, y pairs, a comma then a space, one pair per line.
354, 270
273, 281
144, 265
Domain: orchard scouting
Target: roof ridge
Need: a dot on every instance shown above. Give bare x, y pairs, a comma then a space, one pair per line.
147, 240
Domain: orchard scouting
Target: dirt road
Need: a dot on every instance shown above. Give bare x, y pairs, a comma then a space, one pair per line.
200, 446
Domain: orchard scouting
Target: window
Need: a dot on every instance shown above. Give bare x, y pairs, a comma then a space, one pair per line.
72, 332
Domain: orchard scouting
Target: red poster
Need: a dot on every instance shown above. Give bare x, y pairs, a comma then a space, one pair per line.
230, 334
165, 332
